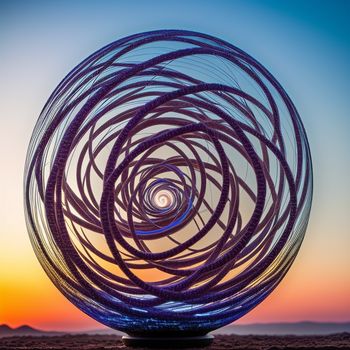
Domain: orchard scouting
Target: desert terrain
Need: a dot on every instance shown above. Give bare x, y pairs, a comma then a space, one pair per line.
221, 342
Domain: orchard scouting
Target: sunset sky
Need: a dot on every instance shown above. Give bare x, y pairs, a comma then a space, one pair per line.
306, 46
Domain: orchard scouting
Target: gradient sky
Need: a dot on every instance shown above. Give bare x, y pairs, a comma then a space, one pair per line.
305, 44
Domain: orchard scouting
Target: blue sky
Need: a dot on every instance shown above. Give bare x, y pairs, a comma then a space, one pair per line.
305, 44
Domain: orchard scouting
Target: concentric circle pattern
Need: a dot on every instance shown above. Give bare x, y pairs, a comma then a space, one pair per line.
168, 183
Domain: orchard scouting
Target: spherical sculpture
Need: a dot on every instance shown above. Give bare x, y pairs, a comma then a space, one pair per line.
168, 184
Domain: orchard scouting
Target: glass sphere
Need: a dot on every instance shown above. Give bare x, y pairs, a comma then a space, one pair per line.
168, 184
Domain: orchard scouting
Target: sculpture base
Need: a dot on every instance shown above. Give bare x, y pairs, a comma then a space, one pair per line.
168, 342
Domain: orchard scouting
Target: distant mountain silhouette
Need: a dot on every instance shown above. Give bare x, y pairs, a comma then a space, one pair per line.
298, 328
7, 331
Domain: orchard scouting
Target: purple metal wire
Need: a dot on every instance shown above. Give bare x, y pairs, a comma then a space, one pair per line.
175, 154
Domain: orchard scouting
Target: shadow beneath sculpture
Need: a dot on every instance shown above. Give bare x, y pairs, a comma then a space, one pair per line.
168, 342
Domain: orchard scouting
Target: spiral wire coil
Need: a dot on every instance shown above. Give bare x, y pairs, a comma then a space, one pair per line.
168, 183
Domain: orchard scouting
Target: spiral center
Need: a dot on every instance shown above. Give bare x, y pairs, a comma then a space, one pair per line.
163, 199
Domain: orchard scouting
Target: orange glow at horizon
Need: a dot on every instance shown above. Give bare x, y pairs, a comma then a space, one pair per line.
34, 300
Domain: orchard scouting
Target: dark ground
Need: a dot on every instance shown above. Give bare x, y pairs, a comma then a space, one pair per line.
221, 342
